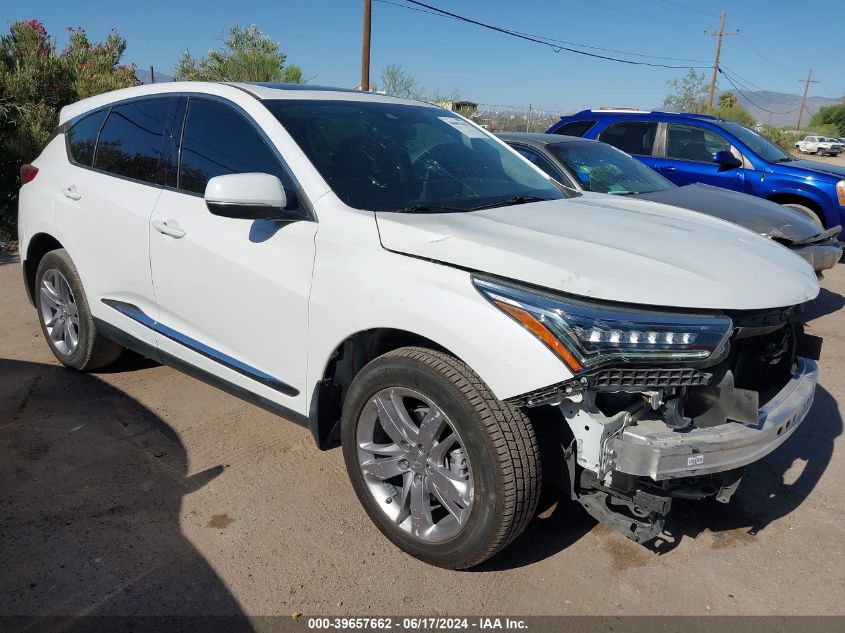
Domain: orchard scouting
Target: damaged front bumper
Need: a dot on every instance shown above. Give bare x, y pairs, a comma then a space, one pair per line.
651, 449
821, 256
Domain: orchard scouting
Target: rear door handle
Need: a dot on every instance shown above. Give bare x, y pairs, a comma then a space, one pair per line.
668, 168
170, 227
71, 192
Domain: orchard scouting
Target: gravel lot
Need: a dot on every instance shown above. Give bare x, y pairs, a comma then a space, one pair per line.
141, 491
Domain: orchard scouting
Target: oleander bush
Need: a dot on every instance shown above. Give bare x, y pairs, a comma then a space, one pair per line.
36, 81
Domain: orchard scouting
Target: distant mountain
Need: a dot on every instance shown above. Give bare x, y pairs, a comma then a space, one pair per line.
144, 76
784, 105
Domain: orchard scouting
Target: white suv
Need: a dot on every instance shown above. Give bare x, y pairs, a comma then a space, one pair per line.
401, 282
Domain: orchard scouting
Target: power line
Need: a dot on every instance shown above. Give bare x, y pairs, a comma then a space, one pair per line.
748, 85
558, 41
745, 41
682, 6
556, 47
749, 99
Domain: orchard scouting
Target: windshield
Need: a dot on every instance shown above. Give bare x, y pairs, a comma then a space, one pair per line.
604, 169
396, 157
761, 146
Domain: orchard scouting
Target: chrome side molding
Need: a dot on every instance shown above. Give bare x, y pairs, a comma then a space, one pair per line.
136, 314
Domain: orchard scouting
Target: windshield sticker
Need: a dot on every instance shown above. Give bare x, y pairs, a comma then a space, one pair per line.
463, 127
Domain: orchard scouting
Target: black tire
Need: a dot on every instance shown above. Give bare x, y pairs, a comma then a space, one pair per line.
810, 213
499, 440
93, 350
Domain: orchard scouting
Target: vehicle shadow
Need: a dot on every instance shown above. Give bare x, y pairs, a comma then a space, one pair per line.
826, 303
558, 523
771, 488
91, 486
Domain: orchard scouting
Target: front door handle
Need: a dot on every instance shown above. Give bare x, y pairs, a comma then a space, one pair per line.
171, 228
668, 169
71, 192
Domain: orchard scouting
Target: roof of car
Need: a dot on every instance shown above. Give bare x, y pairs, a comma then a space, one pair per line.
626, 112
259, 91
534, 138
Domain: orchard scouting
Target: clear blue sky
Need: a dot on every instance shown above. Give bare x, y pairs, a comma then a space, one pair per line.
779, 41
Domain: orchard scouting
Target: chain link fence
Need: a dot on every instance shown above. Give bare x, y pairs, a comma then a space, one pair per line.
508, 118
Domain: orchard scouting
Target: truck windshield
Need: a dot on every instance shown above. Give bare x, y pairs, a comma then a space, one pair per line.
604, 169
396, 157
761, 146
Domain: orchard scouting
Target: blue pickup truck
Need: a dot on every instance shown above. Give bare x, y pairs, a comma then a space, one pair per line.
690, 148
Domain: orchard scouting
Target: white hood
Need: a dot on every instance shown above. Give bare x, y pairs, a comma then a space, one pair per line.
618, 249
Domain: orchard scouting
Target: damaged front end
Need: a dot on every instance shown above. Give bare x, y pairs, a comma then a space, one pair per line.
666, 405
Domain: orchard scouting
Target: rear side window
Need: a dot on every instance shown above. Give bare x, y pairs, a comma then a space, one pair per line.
131, 140
217, 140
633, 137
575, 128
690, 142
81, 138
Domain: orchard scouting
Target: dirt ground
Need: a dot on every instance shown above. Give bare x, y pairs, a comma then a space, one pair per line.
833, 160
138, 490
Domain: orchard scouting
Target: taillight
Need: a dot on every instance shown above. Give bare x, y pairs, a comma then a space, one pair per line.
28, 173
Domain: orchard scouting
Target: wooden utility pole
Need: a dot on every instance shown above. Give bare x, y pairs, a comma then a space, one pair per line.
365, 47
718, 35
809, 80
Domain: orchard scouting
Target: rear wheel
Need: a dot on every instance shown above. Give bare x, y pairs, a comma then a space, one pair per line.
65, 316
446, 471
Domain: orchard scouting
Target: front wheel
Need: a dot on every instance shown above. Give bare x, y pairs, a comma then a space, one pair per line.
445, 470
805, 210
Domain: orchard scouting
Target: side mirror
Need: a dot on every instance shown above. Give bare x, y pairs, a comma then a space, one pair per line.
246, 197
726, 160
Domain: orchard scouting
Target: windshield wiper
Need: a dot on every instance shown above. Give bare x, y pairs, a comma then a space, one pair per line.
431, 208
510, 202
786, 159
622, 193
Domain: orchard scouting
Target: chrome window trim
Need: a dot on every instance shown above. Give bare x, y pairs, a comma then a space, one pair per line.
303, 200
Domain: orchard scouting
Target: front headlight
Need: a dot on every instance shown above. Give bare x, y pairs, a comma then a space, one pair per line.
585, 335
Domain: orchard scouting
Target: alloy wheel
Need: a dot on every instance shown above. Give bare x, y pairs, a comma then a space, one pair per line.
415, 464
59, 312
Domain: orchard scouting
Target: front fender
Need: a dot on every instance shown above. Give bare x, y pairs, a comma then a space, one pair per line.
358, 289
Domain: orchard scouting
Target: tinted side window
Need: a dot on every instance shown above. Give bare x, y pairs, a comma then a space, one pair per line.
542, 162
217, 141
131, 140
689, 142
575, 128
633, 137
82, 138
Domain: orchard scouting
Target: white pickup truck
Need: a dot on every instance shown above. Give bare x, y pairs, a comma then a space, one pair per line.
820, 145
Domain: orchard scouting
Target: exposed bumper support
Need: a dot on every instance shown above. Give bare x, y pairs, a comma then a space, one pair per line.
820, 256
651, 449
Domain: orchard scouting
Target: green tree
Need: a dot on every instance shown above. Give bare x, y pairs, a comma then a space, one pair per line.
730, 110
247, 55
830, 115
689, 93
827, 129
728, 100
780, 137
35, 83
397, 82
